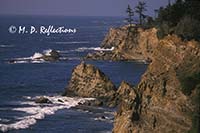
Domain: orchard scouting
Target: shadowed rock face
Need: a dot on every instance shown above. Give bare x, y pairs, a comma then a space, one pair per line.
161, 102
136, 45
89, 81
52, 56
127, 109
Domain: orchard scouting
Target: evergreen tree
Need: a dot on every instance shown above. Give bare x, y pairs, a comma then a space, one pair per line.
182, 18
140, 9
130, 13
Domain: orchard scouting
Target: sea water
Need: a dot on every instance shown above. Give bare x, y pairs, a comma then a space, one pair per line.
25, 78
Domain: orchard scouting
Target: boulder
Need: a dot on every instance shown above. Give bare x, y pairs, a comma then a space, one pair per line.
42, 100
51, 55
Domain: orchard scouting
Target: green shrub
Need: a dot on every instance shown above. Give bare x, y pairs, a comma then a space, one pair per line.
189, 83
181, 18
188, 28
163, 30
196, 114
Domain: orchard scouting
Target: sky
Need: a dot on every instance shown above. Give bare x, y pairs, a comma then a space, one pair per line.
74, 7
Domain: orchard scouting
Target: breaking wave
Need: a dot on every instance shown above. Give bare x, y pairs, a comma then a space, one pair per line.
37, 112
74, 42
6, 46
94, 48
82, 49
36, 58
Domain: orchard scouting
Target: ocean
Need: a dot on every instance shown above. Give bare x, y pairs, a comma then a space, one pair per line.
22, 79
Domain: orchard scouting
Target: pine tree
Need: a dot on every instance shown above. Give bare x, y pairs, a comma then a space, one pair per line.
130, 13
140, 9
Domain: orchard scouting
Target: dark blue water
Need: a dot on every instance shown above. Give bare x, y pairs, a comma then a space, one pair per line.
21, 81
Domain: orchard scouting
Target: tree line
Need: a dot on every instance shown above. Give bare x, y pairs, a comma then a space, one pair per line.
181, 18
139, 9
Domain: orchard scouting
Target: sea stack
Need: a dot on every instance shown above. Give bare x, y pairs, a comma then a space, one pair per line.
88, 81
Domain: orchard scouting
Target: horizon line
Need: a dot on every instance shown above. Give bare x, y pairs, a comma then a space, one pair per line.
59, 15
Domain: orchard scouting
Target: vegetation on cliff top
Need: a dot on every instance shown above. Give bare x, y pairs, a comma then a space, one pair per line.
181, 18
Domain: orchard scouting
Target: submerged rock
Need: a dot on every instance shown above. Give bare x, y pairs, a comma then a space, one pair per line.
89, 81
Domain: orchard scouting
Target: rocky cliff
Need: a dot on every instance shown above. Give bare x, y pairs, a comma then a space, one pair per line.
167, 98
137, 44
89, 81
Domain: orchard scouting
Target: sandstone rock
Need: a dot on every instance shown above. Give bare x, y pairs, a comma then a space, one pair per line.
89, 81
128, 108
137, 45
163, 106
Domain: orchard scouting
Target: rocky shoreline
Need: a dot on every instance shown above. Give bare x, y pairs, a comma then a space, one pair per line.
137, 45
165, 100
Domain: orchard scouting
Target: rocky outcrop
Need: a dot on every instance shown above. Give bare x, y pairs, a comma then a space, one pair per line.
137, 44
167, 98
128, 109
89, 81
48, 55
42, 100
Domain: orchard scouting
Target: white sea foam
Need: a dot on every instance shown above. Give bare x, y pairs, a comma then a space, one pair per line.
6, 46
82, 49
28, 61
64, 51
38, 61
20, 62
47, 52
36, 56
107, 119
94, 48
24, 58
37, 112
74, 42
74, 58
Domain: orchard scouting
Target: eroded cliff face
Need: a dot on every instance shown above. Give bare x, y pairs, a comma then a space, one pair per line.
167, 98
162, 103
135, 45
